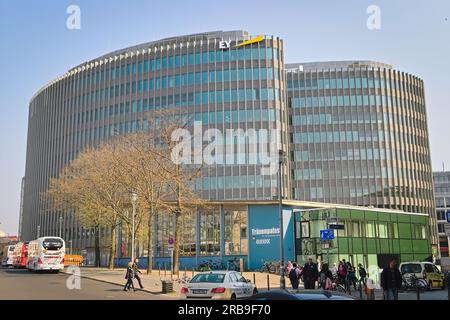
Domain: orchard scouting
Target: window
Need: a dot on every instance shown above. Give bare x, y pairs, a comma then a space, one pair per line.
210, 232
236, 233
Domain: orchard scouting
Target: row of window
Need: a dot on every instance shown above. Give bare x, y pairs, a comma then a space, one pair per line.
345, 101
346, 83
340, 118
205, 97
341, 154
236, 182
338, 136
235, 230
186, 79
177, 61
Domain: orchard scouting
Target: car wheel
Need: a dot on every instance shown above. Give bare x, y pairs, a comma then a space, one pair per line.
233, 297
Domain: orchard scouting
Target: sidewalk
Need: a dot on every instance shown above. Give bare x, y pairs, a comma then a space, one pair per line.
153, 282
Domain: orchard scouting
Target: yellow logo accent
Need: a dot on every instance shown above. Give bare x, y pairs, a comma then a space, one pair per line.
254, 40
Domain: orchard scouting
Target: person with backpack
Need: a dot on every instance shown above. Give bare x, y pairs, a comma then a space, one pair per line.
325, 277
294, 276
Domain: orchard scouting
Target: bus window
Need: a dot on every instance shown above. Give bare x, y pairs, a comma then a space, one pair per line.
52, 244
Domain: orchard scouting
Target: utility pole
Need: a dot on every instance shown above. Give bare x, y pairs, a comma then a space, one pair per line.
133, 203
280, 208
60, 226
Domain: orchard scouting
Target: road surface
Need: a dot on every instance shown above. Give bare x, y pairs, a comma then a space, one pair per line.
25, 285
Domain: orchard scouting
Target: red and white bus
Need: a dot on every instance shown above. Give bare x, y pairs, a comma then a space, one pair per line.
46, 253
20, 255
8, 256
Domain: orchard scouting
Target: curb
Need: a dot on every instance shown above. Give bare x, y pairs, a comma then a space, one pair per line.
118, 284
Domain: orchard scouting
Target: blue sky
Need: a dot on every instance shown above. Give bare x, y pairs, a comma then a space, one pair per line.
36, 47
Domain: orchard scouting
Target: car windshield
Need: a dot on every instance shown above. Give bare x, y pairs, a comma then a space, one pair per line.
411, 268
52, 244
209, 277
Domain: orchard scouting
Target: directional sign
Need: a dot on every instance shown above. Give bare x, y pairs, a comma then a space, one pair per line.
336, 226
327, 234
447, 216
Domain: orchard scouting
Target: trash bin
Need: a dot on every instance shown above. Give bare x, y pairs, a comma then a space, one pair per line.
167, 286
370, 289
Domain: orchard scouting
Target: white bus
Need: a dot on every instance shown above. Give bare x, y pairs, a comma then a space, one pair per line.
46, 253
8, 256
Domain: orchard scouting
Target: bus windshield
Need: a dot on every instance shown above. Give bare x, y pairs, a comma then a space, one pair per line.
52, 244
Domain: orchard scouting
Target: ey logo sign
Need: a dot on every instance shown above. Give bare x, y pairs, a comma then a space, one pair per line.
227, 44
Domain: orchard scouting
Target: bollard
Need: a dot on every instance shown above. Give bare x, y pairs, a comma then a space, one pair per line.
268, 285
192, 272
165, 270
185, 269
418, 292
159, 270
448, 285
360, 290
254, 279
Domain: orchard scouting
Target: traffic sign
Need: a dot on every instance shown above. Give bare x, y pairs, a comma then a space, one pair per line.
170, 243
336, 226
327, 234
447, 216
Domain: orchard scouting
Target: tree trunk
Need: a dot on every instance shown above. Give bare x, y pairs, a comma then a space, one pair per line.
176, 247
97, 246
112, 249
150, 244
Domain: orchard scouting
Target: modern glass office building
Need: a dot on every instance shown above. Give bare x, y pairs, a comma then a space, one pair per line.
359, 136
355, 133
442, 195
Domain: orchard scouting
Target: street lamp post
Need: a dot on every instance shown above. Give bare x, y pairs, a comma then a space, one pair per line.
133, 202
280, 208
60, 226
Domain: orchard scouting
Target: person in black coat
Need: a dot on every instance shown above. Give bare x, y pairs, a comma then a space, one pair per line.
310, 273
129, 276
137, 272
391, 281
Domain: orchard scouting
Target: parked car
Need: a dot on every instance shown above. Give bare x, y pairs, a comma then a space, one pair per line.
426, 271
289, 294
224, 285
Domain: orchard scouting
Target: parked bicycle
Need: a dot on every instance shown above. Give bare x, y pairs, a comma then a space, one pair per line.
270, 267
412, 283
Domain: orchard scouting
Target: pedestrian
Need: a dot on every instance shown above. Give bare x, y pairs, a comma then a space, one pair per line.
362, 274
325, 277
342, 273
351, 276
288, 267
334, 270
129, 276
310, 274
391, 281
137, 272
294, 276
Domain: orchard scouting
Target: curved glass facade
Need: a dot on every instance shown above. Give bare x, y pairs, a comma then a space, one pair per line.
356, 132
237, 87
359, 136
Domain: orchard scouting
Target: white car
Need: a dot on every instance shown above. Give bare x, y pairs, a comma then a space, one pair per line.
223, 285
